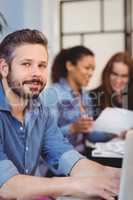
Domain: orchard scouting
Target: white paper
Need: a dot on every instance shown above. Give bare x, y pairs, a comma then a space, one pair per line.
114, 120
111, 149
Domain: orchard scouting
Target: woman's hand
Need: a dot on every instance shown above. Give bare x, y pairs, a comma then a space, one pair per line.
82, 125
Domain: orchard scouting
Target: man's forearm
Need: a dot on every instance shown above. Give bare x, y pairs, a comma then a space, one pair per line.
26, 187
97, 183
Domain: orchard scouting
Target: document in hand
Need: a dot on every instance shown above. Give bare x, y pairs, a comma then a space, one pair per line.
114, 120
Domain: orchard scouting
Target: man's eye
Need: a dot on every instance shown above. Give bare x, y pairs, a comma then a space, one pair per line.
42, 66
26, 64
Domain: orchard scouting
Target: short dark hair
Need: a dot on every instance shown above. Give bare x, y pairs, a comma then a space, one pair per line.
17, 38
73, 54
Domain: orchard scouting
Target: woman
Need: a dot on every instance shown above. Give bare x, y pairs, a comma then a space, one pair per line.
117, 84
71, 71
70, 104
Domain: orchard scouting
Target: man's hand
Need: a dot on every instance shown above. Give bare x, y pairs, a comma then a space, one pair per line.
112, 172
95, 186
88, 179
85, 167
101, 180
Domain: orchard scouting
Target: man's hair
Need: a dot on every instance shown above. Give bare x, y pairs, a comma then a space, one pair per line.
18, 38
73, 55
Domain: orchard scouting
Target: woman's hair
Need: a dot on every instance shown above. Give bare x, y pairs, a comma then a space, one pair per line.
73, 55
122, 57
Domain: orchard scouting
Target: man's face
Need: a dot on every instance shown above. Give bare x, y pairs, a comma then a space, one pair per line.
28, 74
83, 71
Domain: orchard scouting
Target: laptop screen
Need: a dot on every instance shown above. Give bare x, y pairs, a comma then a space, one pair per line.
126, 185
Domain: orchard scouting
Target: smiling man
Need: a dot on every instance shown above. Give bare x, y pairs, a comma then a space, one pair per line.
28, 131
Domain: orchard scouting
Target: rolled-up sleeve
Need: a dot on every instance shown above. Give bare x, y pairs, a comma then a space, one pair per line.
96, 136
7, 170
68, 160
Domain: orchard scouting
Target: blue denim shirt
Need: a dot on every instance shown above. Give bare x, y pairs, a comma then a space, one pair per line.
65, 106
22, 144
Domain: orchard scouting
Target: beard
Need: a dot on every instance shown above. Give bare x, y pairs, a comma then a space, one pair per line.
19, 88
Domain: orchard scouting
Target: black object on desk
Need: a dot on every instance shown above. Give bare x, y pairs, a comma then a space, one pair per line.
112, 162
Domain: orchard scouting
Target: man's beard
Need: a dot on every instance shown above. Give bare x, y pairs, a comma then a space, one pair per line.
18, 89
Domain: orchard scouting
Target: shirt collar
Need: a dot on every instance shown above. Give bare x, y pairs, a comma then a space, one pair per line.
63, 82
4, 103
35, 104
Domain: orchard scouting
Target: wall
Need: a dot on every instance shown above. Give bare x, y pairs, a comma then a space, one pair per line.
44, 15
35, 14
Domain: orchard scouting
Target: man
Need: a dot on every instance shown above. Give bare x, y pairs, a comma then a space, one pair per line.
27, 131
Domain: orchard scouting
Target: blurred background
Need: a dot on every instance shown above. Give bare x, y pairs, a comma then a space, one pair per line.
105, 26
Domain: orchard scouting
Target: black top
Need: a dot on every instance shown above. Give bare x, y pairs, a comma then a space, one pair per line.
98, 100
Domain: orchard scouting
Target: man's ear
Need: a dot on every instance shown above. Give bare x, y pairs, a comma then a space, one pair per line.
3, 68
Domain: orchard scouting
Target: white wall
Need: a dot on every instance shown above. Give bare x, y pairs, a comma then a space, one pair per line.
35, 14
23, 13
84, 17
44, 15
13, 13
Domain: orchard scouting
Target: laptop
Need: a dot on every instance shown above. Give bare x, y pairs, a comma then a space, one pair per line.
126, 182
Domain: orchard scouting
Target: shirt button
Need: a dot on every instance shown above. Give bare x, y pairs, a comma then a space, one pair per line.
21, 128
27, 148
26, 171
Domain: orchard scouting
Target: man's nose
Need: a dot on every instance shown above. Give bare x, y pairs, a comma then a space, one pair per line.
35, 71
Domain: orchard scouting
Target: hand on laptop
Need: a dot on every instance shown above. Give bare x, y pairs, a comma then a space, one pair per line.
94, 187
95, 179
113, 172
